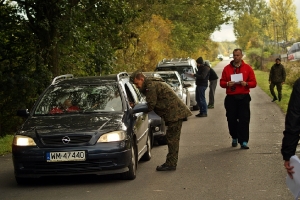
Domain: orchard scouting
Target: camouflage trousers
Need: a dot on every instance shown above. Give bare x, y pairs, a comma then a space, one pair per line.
279, 89
173, 137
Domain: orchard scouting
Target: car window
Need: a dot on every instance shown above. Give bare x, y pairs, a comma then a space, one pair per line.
182, 70
171, 79
64, 99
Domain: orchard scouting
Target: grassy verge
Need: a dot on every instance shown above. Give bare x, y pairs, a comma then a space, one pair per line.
262, 81
5, 144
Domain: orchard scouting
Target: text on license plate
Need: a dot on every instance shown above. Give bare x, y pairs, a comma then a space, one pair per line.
65, 156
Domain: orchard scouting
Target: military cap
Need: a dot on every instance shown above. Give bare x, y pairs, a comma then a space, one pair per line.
134, 75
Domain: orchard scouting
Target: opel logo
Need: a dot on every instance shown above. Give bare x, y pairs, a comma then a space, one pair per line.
66, 140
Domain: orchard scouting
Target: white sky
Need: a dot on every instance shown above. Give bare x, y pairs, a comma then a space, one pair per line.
226, 32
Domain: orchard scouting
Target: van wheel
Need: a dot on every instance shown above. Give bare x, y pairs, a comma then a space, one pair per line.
131, 174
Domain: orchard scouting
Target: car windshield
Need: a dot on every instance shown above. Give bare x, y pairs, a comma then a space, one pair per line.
63, 99
184, 71
171, 79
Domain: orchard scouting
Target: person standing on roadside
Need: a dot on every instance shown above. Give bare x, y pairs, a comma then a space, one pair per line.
237, 78
213, 81
201, 76
292, 128
162, 99
277, 78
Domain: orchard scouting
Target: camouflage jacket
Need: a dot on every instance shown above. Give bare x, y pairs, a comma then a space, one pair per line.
277, 74
162, 99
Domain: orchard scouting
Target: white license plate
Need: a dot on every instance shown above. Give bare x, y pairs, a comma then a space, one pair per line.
65, 156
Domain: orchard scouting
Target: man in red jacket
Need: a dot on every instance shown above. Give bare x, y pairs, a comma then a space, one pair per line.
238, 77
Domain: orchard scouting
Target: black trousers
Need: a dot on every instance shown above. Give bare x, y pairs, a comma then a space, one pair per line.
238, 116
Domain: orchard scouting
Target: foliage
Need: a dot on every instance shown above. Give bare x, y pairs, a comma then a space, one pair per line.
5, 144
246, 31
285, 21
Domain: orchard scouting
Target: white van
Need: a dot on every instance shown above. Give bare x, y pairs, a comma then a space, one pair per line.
294, 52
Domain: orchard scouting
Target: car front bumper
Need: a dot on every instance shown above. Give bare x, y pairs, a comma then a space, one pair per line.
32, 163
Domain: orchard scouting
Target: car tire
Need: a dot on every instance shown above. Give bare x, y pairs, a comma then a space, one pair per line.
195, 107
162, 140
131, 174
22, 181
147, 156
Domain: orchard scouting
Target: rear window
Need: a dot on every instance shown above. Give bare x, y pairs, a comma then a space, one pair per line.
182, 70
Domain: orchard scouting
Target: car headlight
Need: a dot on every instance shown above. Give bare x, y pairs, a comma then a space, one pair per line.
20, 140
112, 136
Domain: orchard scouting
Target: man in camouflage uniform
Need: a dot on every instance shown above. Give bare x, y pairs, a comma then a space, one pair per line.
164, 101
277, 78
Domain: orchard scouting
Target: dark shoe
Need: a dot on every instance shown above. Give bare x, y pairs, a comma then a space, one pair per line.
201, 115
165, 167
244, 145
275, 99
234, 142
210, 106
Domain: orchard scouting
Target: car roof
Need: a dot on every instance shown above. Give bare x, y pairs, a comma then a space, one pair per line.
175, 62
70, 79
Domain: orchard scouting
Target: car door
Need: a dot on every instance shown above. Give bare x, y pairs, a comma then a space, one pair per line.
140, 127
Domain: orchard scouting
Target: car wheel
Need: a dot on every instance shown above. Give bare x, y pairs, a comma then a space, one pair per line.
131, 174
195, 107
162, 140
147, 155
22, 181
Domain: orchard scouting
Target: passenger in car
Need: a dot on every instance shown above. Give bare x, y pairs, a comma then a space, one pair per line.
162, 99
67, 106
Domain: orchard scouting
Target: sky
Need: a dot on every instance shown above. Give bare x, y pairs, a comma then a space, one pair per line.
226, 31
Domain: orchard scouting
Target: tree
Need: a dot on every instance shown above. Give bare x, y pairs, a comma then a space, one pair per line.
285, 21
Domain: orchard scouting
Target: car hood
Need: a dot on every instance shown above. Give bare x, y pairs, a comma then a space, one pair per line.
193, 84
88, 123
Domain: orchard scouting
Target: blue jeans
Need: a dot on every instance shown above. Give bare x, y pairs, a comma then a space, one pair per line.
200, 98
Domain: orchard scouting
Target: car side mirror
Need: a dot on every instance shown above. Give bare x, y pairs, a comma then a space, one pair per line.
140, 107
23, 113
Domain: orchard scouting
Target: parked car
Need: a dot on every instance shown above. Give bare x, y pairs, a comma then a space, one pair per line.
174, 80
231, 56
83, 125
183, 66
220, 57
294, 52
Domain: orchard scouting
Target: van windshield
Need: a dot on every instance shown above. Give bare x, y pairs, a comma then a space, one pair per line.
184, 71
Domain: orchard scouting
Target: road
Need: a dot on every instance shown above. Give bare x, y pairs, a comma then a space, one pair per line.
208, 168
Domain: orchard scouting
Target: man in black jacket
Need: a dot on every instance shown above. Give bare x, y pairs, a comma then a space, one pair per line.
202, 83
292, 128
277, 78
213, 80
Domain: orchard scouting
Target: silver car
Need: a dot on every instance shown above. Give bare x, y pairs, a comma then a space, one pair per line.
174, 80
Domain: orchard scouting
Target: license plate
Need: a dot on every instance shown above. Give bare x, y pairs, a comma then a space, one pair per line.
65, 156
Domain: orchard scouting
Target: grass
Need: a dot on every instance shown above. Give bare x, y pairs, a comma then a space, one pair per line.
262, 81
5, 144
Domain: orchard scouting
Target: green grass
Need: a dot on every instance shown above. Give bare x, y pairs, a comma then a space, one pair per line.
262, 81
5, 144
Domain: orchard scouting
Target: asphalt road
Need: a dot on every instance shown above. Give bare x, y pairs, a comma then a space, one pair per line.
208, 168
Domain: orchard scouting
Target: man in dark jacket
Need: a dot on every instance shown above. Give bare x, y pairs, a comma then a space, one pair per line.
277, 78
162, 99
202, 76
292, 128
213, 81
